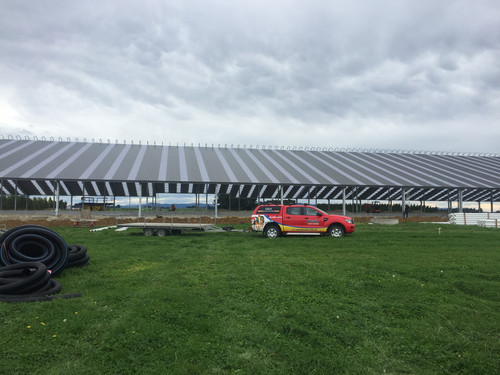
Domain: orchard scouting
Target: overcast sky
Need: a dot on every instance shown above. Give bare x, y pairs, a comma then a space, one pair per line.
385, 74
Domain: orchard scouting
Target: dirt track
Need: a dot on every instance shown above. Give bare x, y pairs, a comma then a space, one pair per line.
12, 220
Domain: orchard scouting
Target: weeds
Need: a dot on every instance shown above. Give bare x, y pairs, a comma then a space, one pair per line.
388, 299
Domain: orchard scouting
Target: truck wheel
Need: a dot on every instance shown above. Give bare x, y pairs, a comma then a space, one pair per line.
161, 232
272, 231
148, 232
336, 231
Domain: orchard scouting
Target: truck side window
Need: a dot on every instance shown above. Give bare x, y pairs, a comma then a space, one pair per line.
293, 210
309, 211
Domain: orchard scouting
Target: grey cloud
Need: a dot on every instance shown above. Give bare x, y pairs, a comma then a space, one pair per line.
300, 64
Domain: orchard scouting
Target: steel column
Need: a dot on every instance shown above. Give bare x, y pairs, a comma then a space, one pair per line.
460, 201
139, 214
403, 199
343, 201
57, 198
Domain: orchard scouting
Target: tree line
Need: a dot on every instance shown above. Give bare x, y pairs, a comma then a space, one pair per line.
22, 202
244, 204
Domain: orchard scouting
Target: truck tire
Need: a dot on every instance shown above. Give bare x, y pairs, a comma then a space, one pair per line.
149, 232
271, 231
336, 231
162, 232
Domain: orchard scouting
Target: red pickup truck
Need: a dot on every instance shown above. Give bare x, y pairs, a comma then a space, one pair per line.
274, 220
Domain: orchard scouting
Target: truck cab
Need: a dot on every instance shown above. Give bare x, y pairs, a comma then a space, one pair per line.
274, 220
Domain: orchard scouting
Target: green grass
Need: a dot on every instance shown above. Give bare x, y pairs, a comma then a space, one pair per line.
386, 300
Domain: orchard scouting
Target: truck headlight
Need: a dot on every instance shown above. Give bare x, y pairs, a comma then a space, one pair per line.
350, 221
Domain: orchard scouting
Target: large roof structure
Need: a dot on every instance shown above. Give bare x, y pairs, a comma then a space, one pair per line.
33, 167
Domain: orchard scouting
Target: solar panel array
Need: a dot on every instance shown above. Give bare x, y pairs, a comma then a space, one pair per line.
33, 167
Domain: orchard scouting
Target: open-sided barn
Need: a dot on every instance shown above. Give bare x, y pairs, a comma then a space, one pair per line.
74, 168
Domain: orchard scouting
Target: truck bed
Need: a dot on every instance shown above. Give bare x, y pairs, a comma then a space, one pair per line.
166, 225
162, 229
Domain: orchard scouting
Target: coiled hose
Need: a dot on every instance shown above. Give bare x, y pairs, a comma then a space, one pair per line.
26, 281
32, 254
77, 256
32, 243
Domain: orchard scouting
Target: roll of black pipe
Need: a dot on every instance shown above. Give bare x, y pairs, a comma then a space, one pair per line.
77, 256
32, 243
27, 281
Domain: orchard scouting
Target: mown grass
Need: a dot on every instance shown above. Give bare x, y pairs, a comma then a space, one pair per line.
398, 299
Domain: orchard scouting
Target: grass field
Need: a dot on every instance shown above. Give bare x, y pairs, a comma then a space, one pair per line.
400, 299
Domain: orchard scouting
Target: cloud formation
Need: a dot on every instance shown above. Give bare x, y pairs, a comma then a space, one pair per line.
385, 75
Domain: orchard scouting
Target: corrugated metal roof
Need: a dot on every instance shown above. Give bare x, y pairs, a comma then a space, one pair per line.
34, 166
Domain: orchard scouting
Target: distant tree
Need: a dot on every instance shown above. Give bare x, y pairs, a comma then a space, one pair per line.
278, 201
22, 202
234, 203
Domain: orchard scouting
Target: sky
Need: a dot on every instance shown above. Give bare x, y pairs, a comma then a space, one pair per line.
358, 75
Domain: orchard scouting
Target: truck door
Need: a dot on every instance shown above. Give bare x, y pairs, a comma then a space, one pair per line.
313, 219
294, 219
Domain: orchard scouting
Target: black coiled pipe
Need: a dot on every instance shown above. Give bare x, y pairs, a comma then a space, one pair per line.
77, 256
27, 281
32, 243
